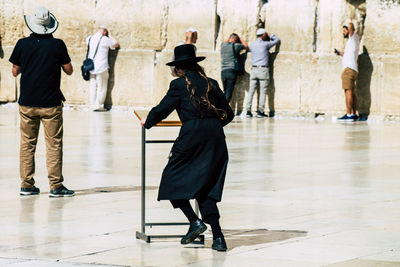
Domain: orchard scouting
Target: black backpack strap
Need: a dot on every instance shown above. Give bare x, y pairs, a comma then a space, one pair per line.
87, 52
97, 48
233, 50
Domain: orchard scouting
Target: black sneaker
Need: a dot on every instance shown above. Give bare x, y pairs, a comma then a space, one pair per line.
347, 118
363, 117
261, 115
248, 114
272, 114
29, 191
61, 192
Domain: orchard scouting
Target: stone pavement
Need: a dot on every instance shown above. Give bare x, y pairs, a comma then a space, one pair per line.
299, 192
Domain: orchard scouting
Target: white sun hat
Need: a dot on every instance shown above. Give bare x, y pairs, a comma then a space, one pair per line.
42, 21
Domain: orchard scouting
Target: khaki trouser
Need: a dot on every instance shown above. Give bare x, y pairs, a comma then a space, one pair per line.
52, 120
258, 76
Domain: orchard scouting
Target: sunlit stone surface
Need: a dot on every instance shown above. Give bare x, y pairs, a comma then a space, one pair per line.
299, 192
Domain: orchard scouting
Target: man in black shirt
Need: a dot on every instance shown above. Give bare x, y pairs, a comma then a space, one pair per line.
39, 58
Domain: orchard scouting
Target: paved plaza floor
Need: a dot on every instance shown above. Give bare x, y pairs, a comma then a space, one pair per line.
298, 192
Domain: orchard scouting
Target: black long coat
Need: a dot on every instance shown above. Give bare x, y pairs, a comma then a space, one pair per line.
199, 156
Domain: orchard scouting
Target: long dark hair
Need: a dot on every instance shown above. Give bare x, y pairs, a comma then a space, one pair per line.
198, 101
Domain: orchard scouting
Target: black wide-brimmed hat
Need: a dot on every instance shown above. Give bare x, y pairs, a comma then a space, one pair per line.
184, 54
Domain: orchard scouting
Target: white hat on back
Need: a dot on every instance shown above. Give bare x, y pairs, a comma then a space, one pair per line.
42, 21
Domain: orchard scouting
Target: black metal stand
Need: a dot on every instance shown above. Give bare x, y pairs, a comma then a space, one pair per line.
142, 234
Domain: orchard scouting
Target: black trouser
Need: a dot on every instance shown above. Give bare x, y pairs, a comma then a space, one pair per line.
209, 213
208, 207
228, 78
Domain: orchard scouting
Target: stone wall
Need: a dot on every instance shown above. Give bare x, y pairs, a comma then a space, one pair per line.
306, 72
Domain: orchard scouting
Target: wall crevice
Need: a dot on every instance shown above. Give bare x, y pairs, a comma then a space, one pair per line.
315, 38
164, 25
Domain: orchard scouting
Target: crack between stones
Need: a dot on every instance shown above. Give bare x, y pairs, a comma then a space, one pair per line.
315, 39
217, 30
164, 25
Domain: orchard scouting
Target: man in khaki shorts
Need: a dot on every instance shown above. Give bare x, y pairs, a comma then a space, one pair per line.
350, 71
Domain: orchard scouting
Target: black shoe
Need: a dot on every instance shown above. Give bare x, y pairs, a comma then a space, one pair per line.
219, 244
29, 191
363, 117
248, 114
195, 229
61, 192
261, 115
272, 114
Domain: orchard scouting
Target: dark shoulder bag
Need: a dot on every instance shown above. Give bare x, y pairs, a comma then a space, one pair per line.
238, 65
88, 63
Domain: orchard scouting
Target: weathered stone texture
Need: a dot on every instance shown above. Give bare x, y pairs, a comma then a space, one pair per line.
382, 26
242, 20
287, 91
135, 72
293, 23
306, 72
11, 21
390, 86
134, 23
74, 17
201, 15
321, 84
8, 84
330, 20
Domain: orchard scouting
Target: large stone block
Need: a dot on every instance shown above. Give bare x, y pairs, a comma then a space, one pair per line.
390, 85
11, 21
240, 17
130, 79
162, 75
292, 22
134, 23
8, 84
201, 15
75, 18
74, 88
382, 26
331, 18
287, 77
133, 78
321, 85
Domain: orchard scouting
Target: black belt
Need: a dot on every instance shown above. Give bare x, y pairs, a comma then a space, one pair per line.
263, 66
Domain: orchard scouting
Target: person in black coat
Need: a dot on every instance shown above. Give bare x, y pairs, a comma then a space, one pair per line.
199, 157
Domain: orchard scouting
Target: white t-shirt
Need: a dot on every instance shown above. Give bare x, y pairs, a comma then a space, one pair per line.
101, 59
350, 55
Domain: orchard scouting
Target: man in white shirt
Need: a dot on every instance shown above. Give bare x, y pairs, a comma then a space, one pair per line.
350, 71
99, 45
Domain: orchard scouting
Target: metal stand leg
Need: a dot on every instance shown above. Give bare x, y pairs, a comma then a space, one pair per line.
143, 179
142, 235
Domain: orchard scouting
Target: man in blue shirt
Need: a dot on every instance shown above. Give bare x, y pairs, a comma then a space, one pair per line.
259, 74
